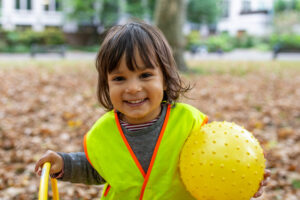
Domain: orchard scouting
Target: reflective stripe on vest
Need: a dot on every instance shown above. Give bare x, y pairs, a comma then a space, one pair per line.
110, 154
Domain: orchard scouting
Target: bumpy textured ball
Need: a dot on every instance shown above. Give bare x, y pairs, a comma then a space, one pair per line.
222, 161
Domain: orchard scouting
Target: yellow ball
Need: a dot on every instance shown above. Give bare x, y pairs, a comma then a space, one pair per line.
222, 161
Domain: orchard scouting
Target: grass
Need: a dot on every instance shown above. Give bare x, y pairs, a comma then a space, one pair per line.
240, 68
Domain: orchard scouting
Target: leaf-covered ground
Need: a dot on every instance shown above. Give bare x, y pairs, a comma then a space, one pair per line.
52, 105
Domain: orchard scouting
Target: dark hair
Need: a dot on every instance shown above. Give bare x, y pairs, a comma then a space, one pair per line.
153, 49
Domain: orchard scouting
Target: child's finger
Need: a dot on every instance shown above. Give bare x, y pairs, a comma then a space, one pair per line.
263, 183
53, 158
39, 163
39, 172
42, 160
267, 173
258, 193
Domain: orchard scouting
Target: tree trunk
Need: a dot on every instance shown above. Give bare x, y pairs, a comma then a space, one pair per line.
122, 9
170, 18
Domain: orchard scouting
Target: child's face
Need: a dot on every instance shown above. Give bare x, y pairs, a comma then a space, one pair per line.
136, 94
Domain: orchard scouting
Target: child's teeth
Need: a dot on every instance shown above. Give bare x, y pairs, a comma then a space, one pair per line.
137, 101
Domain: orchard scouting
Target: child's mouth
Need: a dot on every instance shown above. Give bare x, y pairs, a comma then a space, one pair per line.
136, 102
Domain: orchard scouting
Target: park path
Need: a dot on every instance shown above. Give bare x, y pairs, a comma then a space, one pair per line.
244, 55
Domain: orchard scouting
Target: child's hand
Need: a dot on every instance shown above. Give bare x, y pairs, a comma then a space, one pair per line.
52, 157
263, 183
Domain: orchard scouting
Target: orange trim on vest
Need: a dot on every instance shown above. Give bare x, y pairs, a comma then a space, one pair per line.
85, 149
155, 151
106, 191
204, 121
128, 146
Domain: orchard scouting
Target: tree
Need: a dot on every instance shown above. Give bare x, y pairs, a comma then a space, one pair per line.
286, 17
203, 11
94, 12
283, 5
82, 11
170, 18
106, 13
137, 8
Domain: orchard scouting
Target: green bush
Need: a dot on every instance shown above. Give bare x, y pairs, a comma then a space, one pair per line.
219, 42
53, 37
20, 48
244, 41
3, 46
30, 37
50, 36
227, 43
12, 38
291, 41
90, 48
193, 39
20, 41
213, 43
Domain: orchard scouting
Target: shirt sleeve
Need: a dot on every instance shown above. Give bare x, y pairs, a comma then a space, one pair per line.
77, 169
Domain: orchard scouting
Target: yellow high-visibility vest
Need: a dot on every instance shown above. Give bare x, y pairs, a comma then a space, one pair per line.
109, 153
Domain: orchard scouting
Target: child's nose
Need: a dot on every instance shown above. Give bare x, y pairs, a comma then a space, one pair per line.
133, 87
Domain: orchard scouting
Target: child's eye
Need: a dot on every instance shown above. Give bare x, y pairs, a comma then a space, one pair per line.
118, 78
146, 75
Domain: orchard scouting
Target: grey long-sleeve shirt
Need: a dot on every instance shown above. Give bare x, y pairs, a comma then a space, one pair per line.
77, 169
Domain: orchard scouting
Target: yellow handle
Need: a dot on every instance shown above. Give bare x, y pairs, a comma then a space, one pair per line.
43, 191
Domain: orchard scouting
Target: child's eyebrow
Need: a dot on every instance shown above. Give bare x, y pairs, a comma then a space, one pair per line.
143, 68
138, 68
116, 71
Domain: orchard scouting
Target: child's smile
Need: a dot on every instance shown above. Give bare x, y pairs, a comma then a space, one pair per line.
135, 102
136, 94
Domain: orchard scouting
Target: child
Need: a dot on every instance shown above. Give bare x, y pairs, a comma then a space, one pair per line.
134, 148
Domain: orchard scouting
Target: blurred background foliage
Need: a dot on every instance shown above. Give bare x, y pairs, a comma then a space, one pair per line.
99, 15
204, 11
226, 43
284, 5
286, 21
21, 40
109, 12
